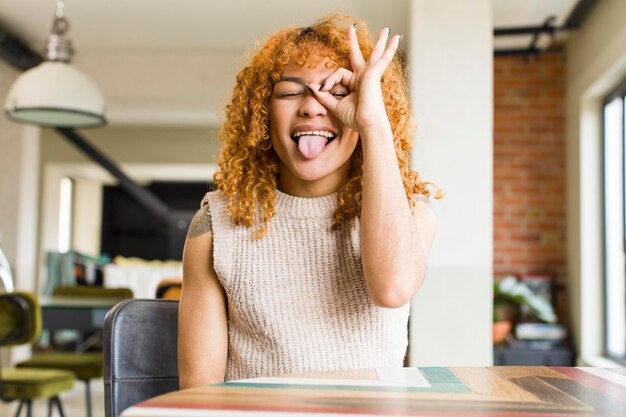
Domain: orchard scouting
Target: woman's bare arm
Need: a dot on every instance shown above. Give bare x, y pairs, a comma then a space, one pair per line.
202, 318
394, 242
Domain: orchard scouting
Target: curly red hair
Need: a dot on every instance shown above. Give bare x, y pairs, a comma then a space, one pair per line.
248, 164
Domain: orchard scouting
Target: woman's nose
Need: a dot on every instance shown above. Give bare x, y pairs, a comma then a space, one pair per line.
310, 107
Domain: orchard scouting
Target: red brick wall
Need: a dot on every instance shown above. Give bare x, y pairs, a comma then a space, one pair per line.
529, 167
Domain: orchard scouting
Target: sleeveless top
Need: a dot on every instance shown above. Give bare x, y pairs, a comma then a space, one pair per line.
297, 300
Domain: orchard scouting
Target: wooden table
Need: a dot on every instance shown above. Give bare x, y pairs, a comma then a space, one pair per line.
469, 392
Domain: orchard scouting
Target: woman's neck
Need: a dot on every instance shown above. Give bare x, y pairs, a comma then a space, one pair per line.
297, 187
306, 190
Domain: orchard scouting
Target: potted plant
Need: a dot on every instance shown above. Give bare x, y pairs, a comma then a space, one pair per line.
508, 295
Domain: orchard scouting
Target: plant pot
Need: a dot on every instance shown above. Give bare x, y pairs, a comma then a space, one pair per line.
500, 330
505, 312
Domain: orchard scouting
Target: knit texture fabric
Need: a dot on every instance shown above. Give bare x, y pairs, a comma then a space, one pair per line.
297, 299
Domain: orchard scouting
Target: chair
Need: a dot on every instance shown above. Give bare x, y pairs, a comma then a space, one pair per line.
20, 323
6, 276
85, 365
169, 288
140, 352
88, 291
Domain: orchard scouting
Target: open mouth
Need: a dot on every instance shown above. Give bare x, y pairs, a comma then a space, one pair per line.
311, 143
330, 136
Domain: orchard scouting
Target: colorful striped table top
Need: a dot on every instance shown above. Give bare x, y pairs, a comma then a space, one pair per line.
499, 391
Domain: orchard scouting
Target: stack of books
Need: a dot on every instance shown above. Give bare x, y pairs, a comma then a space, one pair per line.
541, 336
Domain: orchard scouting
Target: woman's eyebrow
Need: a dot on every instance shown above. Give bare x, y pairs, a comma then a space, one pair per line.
297, 80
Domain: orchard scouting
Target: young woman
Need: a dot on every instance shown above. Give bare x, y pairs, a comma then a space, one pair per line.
308, 255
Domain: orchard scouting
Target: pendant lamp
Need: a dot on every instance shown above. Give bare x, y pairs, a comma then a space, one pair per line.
55, 93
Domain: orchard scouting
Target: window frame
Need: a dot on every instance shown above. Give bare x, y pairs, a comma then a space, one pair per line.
618, 92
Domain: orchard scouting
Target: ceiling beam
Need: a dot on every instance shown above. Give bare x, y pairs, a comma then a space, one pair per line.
548, 28
528, 52
522, 30
579, 13
16, 53
142, 195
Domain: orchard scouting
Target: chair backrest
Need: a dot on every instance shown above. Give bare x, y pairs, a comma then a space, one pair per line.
20, 318
95, 291
6, 276
140, 352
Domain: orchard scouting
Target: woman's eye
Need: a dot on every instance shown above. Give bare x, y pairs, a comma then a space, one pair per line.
339, 95
288, 95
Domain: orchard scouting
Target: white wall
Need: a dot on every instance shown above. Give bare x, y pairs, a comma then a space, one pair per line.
19, 182
10, 151
596, 57
450, 70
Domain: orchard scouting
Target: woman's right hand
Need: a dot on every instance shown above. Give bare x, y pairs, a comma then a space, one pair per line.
363, 108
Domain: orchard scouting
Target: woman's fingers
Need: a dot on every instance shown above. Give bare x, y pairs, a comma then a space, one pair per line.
344, 108
383, 62
340, 76
356, 57
379, 46
379, 59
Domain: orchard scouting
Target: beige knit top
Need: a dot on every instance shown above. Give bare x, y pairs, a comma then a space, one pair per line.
297, 299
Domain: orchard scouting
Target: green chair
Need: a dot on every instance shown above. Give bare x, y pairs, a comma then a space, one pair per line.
99, 292
85, 365
20, 323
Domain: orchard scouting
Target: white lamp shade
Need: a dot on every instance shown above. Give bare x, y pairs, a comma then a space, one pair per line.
56, 94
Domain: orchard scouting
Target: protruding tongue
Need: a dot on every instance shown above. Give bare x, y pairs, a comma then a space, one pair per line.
311, 146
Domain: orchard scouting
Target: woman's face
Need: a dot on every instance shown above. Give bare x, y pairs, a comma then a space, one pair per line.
314, 148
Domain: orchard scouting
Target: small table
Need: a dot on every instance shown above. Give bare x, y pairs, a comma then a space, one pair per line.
562, 355
83, 314
486, 391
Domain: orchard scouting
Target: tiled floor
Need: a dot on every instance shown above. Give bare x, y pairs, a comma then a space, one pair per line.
73, 402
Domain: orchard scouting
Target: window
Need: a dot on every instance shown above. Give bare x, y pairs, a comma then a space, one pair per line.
614, 152
66, 197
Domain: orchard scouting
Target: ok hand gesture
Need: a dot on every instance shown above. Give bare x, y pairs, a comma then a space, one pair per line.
363, 108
